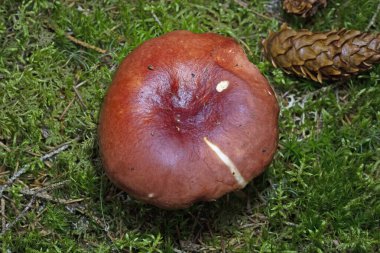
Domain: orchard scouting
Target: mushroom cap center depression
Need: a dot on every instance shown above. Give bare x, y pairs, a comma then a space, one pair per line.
190, 100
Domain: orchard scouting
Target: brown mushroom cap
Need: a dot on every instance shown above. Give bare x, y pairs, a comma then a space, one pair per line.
187, 118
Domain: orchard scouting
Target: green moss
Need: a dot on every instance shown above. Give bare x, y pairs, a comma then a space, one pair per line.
321, 193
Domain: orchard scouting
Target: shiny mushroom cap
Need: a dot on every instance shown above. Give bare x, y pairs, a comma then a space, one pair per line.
187, 118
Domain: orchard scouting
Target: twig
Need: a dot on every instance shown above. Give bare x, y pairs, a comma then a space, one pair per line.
32, 153
54, 152
21, 215
97, 221
40, 193
373, 19
5, 147
12, 203
12, 179
245, 5
78, 94
196, 222
3, 221
47, 197
84, 44
76, 41
34, 194
50, 187
77, 138
156, 18
260, 14
4, 173
223, 246
80, 84
66, 109
72, 201
17, 174
241, 3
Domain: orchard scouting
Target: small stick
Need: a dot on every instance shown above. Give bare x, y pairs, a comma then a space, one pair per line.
3, 222
80, 84
12, 179
32, 153
209, 229
97, 221
77, 41
21, 215
58, 149
50, 187
79, 97
47, 197
17, 174
84, 44
66, 109
77, 93
4, 173
54, 152
38, 193
71, 201
260, 15
34, 195
373, 19
13, 205
5, 147
241, 3
156, 18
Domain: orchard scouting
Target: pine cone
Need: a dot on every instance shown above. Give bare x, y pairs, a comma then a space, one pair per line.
323, 55
304, 8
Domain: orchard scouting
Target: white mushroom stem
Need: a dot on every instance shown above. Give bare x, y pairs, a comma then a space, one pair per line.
227, 161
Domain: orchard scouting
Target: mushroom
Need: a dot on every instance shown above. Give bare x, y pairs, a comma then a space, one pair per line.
187, 118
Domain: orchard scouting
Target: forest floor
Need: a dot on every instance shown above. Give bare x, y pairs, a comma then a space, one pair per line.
57, 58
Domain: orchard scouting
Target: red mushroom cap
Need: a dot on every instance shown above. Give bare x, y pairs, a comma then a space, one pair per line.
187, 118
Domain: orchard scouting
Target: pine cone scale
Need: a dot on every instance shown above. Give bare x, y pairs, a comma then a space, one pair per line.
308, 41
282, 60
320, 58
306, 53
346, 36
358, 59
374, 44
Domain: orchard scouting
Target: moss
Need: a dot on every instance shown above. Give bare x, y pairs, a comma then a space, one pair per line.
321, 193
